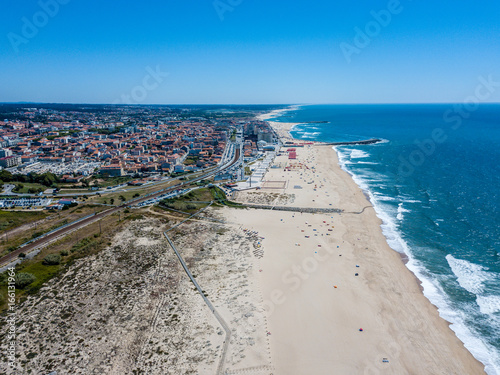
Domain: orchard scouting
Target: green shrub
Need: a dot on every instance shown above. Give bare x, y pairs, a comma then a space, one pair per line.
64, 253
51, 260
83, 246
24, 279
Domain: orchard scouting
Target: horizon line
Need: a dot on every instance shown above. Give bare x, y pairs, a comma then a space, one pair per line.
237, 104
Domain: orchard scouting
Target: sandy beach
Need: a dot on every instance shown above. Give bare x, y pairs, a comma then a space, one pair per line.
302, 293
338, 299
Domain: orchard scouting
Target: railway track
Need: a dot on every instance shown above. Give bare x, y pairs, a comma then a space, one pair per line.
44, 240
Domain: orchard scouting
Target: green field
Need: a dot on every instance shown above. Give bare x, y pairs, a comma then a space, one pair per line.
13, 219
113, 181
90, 240
189, 202
106, 198
42, 273
27, 186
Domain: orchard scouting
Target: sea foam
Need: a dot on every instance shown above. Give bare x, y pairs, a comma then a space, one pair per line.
488, 304
470, 276
401, 212
358, 154
432, 289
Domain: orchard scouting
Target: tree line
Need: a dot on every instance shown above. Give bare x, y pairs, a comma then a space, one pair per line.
48, 179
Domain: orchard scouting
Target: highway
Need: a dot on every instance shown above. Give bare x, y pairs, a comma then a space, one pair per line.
44, 240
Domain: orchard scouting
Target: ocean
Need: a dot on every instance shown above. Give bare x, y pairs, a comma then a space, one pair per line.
434, 181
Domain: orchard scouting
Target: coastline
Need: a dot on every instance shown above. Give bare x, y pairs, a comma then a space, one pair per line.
283, 129
310, 284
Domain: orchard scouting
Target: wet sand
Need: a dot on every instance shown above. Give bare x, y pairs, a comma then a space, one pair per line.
338, 299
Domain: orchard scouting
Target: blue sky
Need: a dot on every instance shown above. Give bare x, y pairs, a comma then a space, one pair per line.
253, 51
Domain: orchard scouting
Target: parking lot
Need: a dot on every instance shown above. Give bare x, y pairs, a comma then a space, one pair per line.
80, 167
25, 202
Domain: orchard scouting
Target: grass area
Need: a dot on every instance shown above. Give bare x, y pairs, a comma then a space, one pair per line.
113, 181
221, 198
128, 195
29, 188
202, 183
191, 160
42, 273
188, 202
99, 181
114, 197
82, 243
57, 219
13, 219
188, 207
248, 171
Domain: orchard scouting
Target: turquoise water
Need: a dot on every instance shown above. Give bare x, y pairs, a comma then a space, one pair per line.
434, 182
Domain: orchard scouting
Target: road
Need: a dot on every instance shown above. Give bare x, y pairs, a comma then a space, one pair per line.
42, 241
8, 189
226, 156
